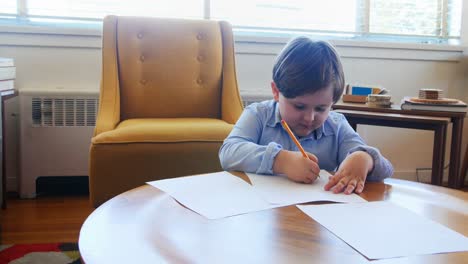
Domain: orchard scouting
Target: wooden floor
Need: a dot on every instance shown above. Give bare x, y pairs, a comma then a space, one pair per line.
46, 219
43, 220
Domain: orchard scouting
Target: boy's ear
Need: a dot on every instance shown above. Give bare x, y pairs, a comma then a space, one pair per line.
275, 91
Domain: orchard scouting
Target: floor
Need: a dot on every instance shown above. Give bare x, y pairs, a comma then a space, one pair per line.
43, 220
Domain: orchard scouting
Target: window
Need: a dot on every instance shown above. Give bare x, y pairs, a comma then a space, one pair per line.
437, 20
294, 14
8, 7
414, 17
97, 9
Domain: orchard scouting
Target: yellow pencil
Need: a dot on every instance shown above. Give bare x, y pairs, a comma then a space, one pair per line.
293, 137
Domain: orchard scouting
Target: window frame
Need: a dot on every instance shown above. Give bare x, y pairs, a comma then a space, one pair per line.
90, 29
362, 28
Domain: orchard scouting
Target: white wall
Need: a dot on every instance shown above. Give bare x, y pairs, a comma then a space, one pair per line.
403, 72
67, 61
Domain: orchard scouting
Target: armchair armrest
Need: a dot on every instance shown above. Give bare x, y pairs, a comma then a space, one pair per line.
231, 103
109, 98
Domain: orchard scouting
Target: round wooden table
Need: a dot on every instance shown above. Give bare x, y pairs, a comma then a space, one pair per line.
145, 225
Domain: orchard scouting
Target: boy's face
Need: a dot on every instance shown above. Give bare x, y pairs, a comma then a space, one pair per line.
304, 113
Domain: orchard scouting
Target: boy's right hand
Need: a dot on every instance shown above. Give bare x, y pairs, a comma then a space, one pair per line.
296, 167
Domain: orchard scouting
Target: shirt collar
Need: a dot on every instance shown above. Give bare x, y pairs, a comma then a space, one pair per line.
275, 119
324, 130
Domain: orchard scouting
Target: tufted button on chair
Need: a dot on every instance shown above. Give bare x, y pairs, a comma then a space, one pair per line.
163, 114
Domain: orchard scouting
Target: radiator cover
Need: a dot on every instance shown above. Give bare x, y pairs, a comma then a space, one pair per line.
56, 127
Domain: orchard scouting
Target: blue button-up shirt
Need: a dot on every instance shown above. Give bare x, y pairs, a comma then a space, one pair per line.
258, 137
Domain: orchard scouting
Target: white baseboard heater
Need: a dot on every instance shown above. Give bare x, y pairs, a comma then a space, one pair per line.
56, 127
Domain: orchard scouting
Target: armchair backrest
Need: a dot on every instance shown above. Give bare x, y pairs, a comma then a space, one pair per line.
165, 68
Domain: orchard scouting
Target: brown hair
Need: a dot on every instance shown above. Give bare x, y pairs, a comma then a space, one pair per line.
306, 66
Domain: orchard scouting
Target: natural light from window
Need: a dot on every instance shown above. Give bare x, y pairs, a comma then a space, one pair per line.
295, 14
100, 8
411, 17
8, 6
427, 21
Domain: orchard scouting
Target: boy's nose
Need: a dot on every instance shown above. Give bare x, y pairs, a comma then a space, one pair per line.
309, 117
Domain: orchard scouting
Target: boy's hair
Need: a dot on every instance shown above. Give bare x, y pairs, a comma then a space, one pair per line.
305, 66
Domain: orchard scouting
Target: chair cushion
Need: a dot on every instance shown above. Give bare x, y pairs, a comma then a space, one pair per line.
169, 61
166, 130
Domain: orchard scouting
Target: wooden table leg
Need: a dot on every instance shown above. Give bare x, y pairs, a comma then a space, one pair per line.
438, 155
464, 169
454, 180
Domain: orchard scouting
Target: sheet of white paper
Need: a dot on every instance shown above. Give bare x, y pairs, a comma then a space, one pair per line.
278, 189
384, 230
214, 195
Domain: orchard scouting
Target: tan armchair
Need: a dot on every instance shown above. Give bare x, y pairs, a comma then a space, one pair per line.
168, 99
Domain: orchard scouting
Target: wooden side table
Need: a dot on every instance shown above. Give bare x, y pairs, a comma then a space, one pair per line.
436, 124
454, 180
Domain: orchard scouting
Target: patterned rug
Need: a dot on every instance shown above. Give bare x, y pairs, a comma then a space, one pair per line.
54, 253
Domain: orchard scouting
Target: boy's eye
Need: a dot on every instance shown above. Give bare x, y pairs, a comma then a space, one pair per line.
299, 107
320, 109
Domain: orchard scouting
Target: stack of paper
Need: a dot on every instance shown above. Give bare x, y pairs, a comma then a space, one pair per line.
222, 194
278, 189
376, 229
384, 230
214, 195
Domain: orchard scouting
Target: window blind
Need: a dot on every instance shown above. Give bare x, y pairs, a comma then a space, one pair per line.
440, 19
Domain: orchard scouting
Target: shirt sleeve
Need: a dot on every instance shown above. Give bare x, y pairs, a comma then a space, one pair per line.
240, 150
350, 141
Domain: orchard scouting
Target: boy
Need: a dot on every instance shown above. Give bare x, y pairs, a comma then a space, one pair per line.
307, 80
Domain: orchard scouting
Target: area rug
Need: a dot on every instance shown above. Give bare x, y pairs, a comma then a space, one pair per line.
53, 253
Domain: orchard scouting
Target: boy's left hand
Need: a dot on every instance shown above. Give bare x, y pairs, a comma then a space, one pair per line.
351, 176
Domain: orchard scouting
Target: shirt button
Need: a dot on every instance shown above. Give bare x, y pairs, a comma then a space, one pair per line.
140, 35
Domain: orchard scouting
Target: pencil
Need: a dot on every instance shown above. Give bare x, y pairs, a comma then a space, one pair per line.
293, 137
